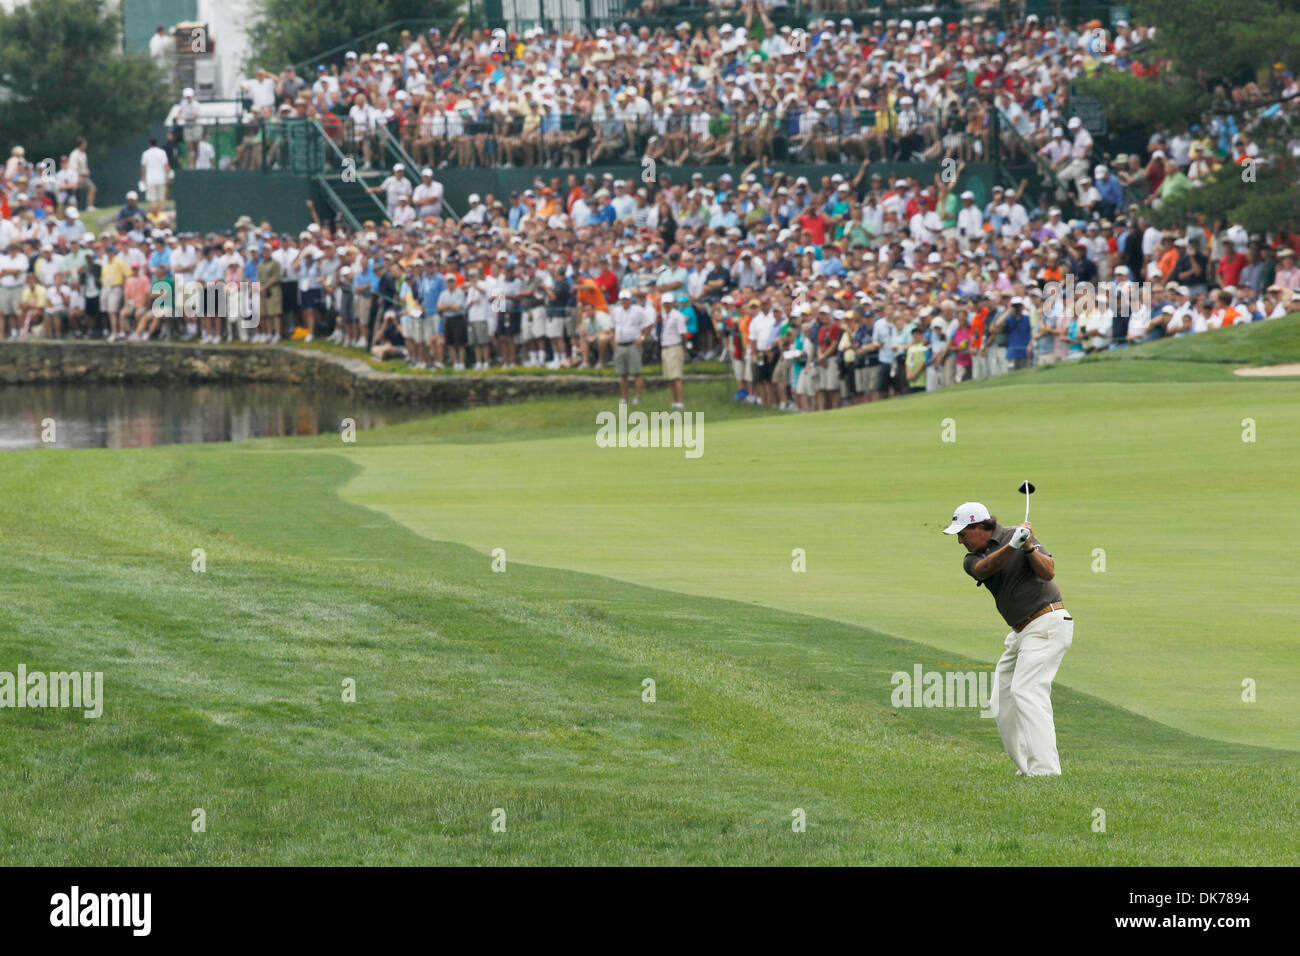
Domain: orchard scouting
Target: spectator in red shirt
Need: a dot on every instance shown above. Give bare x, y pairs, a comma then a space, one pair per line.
815, 223
608, 283
828, 369
1230, 266
1156, 171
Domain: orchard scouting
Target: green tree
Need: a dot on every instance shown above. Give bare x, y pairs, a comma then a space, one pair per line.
1215, 59
62, 75
292, 31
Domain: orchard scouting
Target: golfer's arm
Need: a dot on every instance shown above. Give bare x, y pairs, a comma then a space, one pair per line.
988, 566
1043, 564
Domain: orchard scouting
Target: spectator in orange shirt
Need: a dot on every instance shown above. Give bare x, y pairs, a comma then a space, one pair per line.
1167, 261
979, 361
1226, 314
546, 207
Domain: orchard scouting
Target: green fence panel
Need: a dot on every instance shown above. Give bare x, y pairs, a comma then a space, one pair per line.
211, 201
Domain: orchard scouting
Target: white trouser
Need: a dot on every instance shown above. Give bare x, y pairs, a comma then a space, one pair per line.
979, 365
1071, 174
1023, 692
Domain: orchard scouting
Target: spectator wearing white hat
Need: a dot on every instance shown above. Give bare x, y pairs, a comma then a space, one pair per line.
65, 183
72, 227
365, 121
13, 269
477, 214
404, 213
1056, 152
427, 196
261, 90
632, 325
1287, 275
189, 117
970, 222
395, 187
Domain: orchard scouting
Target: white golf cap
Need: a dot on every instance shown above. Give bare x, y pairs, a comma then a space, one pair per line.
187, 92
967, 514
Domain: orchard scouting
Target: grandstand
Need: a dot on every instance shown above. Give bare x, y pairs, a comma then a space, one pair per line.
998, 152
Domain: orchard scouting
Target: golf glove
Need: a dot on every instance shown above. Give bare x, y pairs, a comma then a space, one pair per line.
1019, 537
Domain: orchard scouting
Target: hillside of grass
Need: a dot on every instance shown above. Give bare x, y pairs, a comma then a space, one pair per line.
1256, 343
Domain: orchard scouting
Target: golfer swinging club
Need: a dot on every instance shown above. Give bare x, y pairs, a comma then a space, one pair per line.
1018, 571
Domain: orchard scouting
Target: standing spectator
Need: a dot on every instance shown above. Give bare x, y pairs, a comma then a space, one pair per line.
79, 162
161, 44
478, 310
938, 348
452, 307
395, 188
113, 276
13, 270
365, 121
135, 305
262, 91
272, 304
631, 326
1015, 323
961, 347
205, 153
914, 361
154, 173
189, 116
673, 348
427, 196
970, 221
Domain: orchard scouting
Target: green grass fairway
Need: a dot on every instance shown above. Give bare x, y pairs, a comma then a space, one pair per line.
522, 690
1197, 590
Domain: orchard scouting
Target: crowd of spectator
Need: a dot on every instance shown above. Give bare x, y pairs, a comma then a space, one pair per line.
817, 293
837, 91
834, 91
849, 288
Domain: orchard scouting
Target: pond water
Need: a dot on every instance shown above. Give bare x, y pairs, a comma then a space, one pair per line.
135, 416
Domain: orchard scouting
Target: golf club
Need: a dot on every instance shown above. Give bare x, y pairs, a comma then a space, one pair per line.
1028, 489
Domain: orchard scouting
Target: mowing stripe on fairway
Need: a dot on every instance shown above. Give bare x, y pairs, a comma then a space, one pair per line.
520, 691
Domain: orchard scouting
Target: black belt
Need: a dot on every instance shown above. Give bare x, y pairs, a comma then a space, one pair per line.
633, 342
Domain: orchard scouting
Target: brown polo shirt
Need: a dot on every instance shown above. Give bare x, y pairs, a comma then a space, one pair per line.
1017, 591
